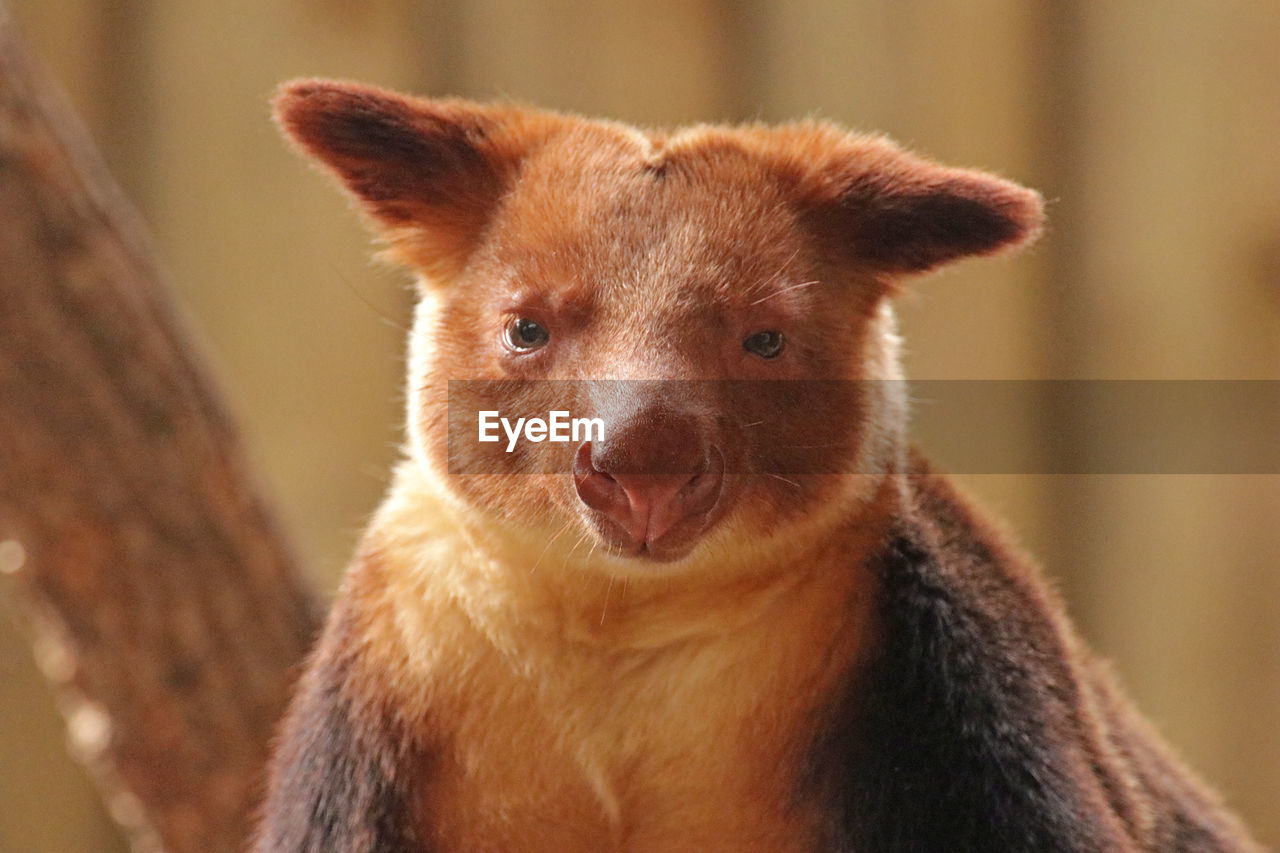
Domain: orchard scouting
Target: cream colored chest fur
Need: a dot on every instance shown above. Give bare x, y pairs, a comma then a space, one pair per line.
621, 718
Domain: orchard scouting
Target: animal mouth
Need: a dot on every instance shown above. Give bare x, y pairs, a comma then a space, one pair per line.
650, 516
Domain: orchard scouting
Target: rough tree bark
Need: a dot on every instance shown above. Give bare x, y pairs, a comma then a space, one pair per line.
160, 597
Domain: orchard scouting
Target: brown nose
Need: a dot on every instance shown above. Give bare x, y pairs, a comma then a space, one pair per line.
645, 505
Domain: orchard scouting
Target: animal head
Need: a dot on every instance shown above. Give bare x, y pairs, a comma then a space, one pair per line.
716, 296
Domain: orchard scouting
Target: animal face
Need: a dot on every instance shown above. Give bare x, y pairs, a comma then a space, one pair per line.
716, 298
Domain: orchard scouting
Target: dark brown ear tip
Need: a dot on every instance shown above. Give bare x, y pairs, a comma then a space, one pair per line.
333, 119
301, 89
995, 215
1030, 206
1024, 209
296, 101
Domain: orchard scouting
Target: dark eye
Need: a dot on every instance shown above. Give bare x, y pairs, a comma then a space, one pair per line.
767, 344
523, 334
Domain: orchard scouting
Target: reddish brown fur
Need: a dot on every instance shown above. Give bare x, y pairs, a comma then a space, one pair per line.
841, 657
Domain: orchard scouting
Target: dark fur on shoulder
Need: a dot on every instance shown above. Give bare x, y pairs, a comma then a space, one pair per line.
982, 726
341, 769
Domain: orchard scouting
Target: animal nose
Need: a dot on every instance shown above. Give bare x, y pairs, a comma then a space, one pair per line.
645, 505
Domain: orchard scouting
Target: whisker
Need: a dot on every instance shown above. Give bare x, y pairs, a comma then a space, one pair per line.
784, 479
550, 542
785, 290
581, 538
385, 317
771, 279
814, 446
608, 589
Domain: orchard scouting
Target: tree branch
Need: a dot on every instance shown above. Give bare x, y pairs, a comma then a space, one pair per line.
161, 598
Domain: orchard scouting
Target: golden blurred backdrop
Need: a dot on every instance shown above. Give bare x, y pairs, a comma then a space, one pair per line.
1152, 128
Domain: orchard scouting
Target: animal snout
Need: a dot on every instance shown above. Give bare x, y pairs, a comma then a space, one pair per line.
650, 478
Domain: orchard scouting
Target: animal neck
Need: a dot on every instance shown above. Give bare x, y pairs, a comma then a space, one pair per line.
527, 594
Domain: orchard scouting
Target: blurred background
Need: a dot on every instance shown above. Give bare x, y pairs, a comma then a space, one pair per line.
1153, 129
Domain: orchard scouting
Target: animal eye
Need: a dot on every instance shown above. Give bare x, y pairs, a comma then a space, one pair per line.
766, 344
523, 334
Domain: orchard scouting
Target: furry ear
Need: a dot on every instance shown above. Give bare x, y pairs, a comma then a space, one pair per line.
893, 212
428, 173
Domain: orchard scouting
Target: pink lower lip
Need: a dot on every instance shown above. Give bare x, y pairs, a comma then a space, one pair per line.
651, 548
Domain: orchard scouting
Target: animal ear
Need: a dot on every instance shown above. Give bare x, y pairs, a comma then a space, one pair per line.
428, 173
894, 212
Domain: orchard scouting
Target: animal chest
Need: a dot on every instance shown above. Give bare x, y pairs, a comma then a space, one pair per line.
610, 741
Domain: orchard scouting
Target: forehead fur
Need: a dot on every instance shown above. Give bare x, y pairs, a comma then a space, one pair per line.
613, 206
